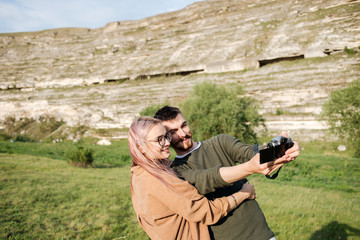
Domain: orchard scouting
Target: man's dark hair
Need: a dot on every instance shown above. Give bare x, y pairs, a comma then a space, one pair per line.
167, 113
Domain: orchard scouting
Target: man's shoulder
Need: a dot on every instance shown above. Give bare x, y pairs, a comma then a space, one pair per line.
219, 139
220, 136
224, 136
207, 147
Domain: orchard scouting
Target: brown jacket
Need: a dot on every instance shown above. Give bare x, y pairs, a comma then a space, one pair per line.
174, 212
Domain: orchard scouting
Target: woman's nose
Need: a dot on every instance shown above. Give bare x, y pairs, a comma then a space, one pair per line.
167, 142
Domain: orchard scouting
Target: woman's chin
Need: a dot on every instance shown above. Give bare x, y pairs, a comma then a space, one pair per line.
166, 154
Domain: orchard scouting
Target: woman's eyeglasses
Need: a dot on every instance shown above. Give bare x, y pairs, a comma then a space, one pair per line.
162, 139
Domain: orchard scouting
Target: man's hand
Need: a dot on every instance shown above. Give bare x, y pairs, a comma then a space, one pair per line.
270, 167
294, 151
290, 155
265, 168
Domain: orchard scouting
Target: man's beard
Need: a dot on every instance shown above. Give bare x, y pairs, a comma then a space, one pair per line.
180, 145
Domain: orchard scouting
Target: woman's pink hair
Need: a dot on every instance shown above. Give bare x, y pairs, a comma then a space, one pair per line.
142, 153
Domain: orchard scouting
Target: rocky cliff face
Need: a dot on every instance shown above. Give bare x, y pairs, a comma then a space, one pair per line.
104, 77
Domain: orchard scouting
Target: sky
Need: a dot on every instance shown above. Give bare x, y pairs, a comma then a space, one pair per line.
37, 15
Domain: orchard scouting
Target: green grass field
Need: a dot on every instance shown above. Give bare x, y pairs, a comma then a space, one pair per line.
43, 197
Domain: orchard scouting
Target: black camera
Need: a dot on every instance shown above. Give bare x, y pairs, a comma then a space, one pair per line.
276, 148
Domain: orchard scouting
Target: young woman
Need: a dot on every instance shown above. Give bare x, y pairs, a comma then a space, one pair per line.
166, 206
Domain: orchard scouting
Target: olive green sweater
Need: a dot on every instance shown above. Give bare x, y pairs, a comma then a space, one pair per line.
201, 168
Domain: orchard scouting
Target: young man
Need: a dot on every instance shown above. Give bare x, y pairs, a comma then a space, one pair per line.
218, 167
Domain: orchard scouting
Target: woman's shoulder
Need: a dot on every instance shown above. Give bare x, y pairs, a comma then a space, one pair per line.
144, 178
141, 174
142, 181
137, 170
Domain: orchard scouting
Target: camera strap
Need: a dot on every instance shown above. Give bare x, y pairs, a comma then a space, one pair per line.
256, 149
274, 175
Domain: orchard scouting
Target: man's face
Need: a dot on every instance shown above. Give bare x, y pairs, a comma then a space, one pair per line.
181, 134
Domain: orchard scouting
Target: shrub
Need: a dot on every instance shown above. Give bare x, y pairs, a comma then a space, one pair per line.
22, 138
4, 136
82, 157
279, 111
213, 110
349, 51
342, 112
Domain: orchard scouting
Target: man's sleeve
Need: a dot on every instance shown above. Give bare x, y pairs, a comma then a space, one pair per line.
239, 152
205, 180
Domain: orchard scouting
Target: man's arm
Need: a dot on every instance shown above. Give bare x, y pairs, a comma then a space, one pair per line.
241, 171
210, 179
237, 151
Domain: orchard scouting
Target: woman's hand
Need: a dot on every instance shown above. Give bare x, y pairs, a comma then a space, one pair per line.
246, 192
249, 189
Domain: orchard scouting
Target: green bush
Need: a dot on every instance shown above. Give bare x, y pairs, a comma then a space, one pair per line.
4, 136
342, 112
349, 50
212, 109
82, 157
22, 138
279, 111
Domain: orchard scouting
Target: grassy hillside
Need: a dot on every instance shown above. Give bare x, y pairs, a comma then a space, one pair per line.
42, 198
316, 197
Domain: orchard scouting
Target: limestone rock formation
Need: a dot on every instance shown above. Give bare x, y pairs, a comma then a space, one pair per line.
103, 77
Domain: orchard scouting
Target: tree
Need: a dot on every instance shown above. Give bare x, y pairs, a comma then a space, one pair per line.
342, 112
212, 109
